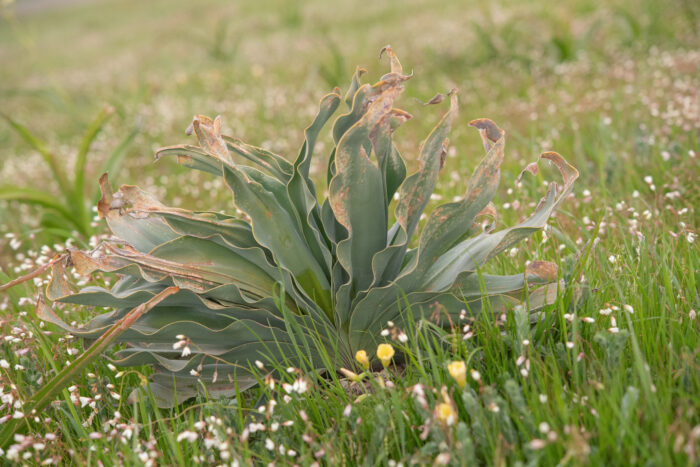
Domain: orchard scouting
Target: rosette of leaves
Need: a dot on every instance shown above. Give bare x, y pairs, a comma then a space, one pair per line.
295, 272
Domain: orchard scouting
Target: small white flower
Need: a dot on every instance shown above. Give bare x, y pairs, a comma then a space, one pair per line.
537, 444
300, 386
4, 363
253, 427
190, 436
200, 425
628, 308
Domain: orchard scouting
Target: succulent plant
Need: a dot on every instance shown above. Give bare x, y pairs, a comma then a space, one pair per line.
293, 271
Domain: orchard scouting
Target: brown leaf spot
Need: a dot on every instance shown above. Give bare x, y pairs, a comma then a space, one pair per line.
103, 205
544, 270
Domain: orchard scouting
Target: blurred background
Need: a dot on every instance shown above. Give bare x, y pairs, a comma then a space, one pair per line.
607, 84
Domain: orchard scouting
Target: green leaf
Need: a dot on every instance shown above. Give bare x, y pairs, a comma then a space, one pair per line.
414, 195
301, 191
36, 197
356, 197
81, 161
46, 154
448, 222
274, 227
276, 165
140, 230
192, 157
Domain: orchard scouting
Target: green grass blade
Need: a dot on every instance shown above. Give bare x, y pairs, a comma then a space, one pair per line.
79, 169
34, 196
44, 396
112, 166
45, 152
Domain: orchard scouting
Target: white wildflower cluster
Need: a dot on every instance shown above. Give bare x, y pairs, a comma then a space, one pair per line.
300, 386
183, 342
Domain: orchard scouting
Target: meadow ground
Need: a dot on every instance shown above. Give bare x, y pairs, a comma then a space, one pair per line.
613, 87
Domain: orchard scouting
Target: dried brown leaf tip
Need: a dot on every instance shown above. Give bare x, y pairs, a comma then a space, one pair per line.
400, 116
208, 134
104, 205
490, 212
395, 64
488, 130
436, 99
396, 76
568, 172
532, 168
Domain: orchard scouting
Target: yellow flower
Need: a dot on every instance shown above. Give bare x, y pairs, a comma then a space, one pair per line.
384, 353
458, 370
446, 413
352, 376
361, 357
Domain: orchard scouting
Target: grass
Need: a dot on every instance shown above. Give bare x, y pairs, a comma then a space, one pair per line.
614, 88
